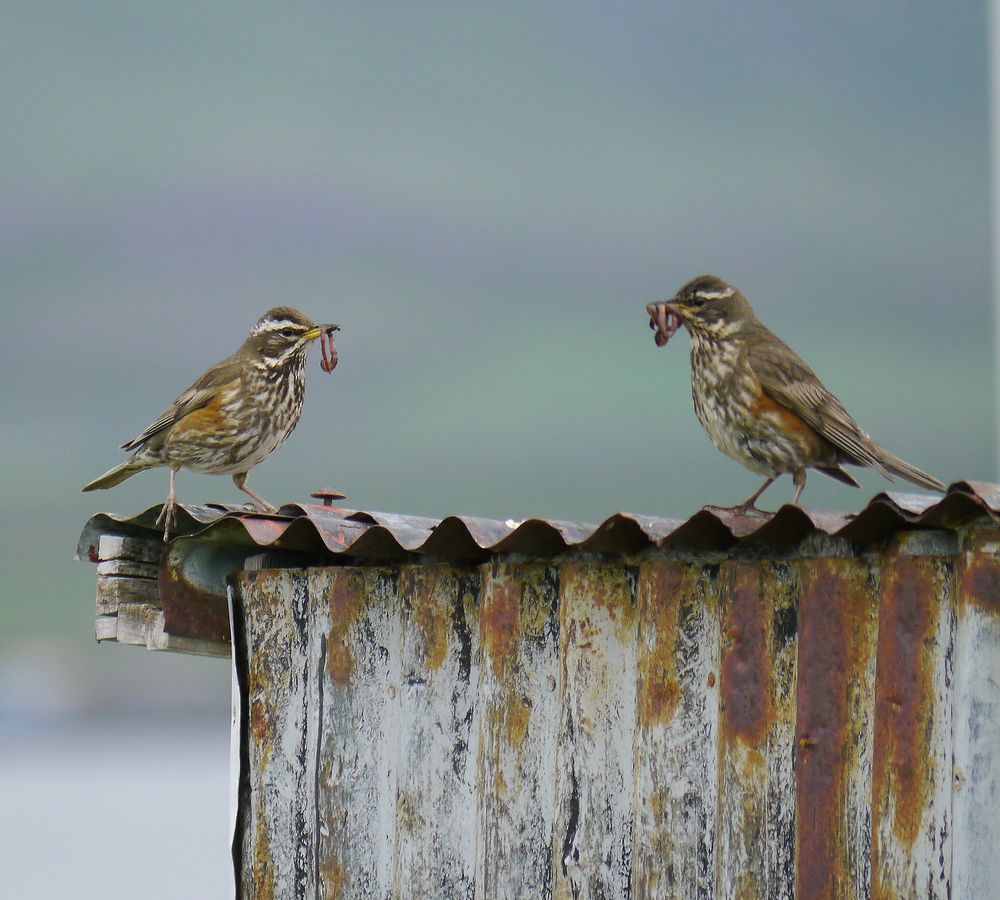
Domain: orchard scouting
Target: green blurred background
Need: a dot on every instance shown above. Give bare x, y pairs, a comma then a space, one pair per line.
485, 197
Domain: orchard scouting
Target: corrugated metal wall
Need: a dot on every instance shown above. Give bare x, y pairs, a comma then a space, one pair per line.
686, 726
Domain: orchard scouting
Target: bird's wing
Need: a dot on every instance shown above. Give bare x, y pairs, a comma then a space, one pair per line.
200, 394
787, 380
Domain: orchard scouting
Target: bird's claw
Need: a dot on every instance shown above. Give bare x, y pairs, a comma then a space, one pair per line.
742, 509
167, 517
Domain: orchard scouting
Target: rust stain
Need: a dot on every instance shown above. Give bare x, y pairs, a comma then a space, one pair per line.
261, 713
262, 866
747, 706
980, 581
518, 719
606, 586
500, 621
408, 818
419, 586
902, 769
347, 602
661, 585
334, 880
190, 610
836, 633
510, 718
258, 719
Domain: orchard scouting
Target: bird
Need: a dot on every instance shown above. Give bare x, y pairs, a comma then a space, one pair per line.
236, 414
759, 402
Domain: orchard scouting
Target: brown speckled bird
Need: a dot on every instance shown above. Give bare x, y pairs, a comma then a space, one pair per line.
236, 415
759, 402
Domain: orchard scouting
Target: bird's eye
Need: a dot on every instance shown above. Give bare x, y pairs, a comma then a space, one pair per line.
697, 300
288, 332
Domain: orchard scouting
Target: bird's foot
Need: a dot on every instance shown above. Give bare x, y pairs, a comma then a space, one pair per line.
167, 517
742, 509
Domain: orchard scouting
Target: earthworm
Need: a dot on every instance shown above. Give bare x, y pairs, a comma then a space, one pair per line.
663, 321
329, 348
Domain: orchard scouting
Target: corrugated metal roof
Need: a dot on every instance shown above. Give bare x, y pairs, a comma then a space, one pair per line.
317, 528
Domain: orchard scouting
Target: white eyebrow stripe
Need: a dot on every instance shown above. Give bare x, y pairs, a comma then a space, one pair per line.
715, 295
278, 325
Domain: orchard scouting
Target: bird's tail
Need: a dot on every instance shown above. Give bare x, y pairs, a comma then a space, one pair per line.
896, 466
116, 475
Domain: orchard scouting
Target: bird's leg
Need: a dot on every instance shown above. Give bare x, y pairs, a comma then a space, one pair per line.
240, 480
799, 480
749, 506
169, 510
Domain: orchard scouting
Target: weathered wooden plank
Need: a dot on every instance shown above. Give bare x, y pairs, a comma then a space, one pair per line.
976, 794
279, 836
357, 665
114, 591
116, 547
435, 815
592, 849
756, 837
136, 623
127, 567
838, 614
676, 755
519, 716
106, 628
912, 771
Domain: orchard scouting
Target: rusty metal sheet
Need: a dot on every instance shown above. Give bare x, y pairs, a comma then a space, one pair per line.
976, 862
756, 837
628, 533
189, 519
276, 850
439, 731
676, 754
519, 714
192, 587
353, 728
835, 693
912, 777
592, 846
658, 727
464, 539
704, 531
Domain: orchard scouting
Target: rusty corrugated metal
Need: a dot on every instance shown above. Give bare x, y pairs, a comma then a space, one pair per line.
211, 539
651, 726
912, 774
318, 528
806, 706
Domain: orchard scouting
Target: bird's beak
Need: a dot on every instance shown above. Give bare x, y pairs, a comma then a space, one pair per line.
314, 333
665, 318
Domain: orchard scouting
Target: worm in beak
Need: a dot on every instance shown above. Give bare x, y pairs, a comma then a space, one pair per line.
330, 357
663, 319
